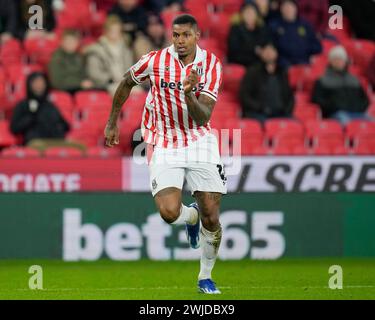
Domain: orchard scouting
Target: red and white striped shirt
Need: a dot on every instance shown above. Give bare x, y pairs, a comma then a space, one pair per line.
165, 121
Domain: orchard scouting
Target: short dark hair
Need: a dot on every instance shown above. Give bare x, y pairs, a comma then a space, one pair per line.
185, 19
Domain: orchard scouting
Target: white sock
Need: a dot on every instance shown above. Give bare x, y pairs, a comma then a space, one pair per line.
187, 215
210, 243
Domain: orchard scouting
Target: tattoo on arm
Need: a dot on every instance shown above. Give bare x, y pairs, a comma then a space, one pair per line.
121, 94
199, 109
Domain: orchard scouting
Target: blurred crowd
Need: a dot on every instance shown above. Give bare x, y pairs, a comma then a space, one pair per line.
268, 39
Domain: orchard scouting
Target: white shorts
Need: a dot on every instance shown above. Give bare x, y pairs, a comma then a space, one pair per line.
199, 163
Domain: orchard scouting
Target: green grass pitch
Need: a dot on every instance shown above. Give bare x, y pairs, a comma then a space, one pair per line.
282, 279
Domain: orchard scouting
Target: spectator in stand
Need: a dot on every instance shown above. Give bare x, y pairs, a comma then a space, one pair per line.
66, 68
132, 15
109, 58
246, 37
153, 39
371, 72
265, 92
294, 37
339, 93
22, 29
316, 13
8, 20
157, 6
268, 9
36, 117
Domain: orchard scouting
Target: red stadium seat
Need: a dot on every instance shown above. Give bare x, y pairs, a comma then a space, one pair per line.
301, 98
2, 87
127, 128
321, 150
6, 138
319, 63
16, 81
289, 141
11, 52
296, 76
92, 99
93, 106
219, 26
211, 45
301, 151
307, 112
255, 151
362, 150
63, 152
227, 110
340, 150
359, 127
64, 102
325, 134
20, 152
103, 152
277, 127
364, 140
251, 134
75, 15
232, 77
361, 51
40, 50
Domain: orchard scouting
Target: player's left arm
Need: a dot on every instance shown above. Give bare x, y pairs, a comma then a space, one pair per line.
199, 109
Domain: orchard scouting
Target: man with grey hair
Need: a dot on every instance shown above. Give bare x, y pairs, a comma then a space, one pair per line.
338, 92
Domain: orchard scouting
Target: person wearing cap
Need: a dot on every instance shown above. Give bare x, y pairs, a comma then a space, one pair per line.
339, 93
294, 37
265, 91
246, 36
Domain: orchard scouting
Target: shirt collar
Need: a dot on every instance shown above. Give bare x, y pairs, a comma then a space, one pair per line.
199, 56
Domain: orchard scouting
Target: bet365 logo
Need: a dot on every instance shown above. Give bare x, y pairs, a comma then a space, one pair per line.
178, 85
256, 236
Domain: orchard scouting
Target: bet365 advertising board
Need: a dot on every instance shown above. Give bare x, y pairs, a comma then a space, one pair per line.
126, 226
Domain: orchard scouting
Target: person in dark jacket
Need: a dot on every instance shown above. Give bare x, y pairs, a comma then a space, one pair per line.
245, 37
268, 9
294, 37
339, 93
265, 92
66, 69
36, 117
132, 15
8, 20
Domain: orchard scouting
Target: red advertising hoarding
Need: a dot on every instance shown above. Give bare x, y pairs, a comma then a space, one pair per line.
60, 175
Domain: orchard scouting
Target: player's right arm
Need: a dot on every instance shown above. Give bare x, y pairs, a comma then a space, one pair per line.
136, 75
111, 132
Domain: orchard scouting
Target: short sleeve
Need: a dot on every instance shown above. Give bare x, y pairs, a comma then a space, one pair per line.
214, 78
141, 70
